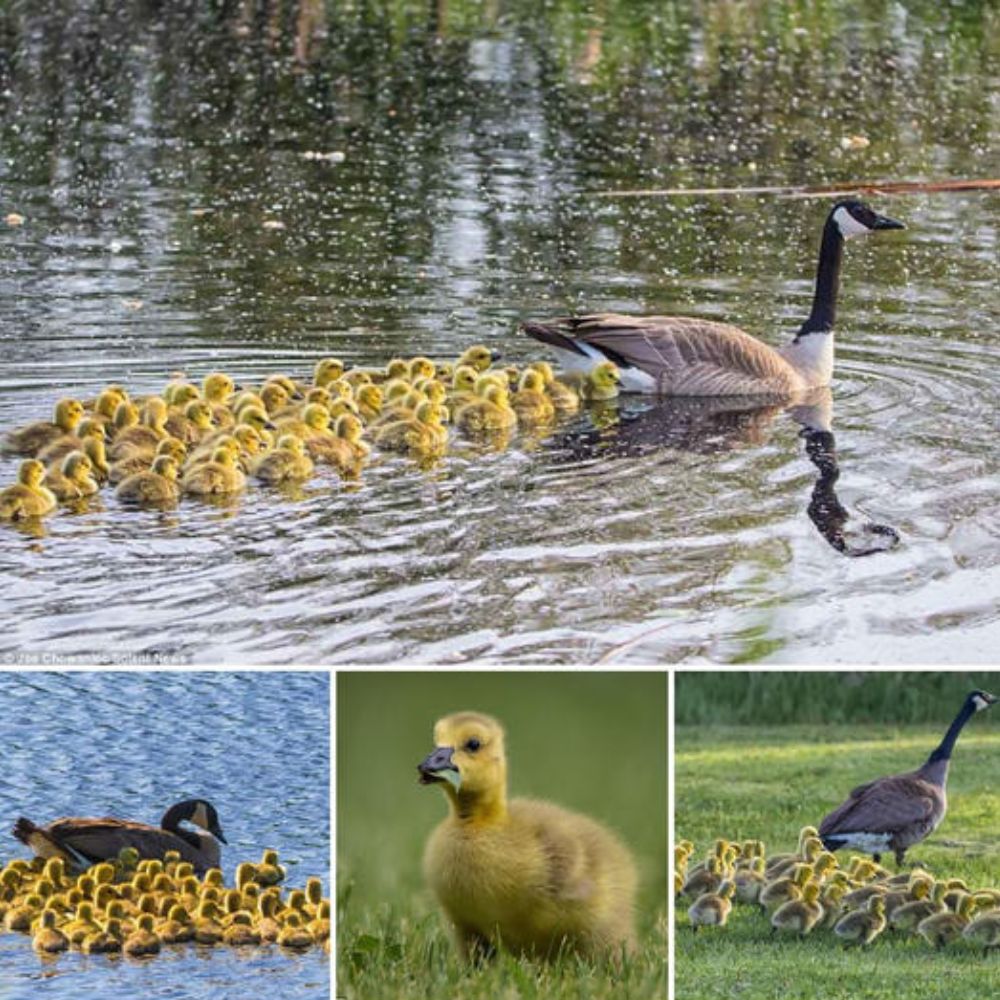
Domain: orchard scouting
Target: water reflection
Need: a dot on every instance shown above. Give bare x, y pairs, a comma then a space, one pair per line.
707, 425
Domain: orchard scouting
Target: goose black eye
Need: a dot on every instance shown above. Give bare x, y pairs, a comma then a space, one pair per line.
472, 745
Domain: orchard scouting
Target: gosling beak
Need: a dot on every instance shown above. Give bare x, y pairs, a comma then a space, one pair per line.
438, 766
884, 222
495, 356
268, 426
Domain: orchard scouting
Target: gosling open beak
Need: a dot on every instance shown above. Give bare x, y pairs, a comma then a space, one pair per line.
884, 222
438, 766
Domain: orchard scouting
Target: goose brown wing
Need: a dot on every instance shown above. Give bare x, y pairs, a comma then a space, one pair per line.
102, 839
686, 355
884, 806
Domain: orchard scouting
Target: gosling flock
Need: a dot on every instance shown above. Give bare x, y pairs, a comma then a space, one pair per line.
109, 886
808, 891
205, 440
208, 440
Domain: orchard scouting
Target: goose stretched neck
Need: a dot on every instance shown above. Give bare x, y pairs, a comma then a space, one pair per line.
945, 747
824, 307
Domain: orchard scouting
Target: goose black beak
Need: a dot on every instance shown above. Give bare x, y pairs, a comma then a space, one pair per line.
438, 766
217, 833
884, 222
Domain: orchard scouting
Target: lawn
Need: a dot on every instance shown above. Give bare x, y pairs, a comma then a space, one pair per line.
766, 782
594, 743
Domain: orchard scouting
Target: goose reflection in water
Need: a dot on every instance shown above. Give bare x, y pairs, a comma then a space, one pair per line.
710, 425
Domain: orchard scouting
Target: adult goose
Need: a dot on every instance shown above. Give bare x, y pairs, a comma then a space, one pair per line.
685, 356
900, 810
83, 842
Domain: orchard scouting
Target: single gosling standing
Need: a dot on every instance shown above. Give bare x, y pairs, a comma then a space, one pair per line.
525, 874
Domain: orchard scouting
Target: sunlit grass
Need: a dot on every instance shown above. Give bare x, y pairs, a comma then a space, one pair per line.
595, 743
743, 782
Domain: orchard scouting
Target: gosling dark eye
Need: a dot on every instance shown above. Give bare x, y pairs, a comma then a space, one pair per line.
472, 745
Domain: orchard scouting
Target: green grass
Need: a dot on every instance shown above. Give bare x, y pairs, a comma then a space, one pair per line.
758, 698
767, 782
594, 743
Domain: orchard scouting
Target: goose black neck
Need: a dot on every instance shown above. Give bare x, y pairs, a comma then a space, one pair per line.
824, 307
943, 752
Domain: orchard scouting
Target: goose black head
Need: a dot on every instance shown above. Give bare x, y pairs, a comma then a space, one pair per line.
982, 699
855, 218
197, 811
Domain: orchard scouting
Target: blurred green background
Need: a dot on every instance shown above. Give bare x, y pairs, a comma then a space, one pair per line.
763, 698
593, 742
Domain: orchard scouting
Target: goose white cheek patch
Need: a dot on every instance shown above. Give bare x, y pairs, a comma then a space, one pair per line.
848, 225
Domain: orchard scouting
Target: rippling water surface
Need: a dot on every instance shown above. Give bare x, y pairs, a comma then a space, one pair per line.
177, 218
129, 745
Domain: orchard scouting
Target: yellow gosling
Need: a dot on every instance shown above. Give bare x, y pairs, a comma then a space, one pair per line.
62, 446
157, 486
287, 463
524, 873
34, 438
422, 434
120, 471
344, 449
564, 397
369, 400
327, 370
532, 406
294, 935
712, 909
143, 940
48, 938
73, 479
799, 916
193, 424
861, 927
478, 357
602, 382
143, 438
27, 497
219, 477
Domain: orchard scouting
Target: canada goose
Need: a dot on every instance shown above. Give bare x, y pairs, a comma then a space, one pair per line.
288, 461
84, 842
240, 931
898, 811
369, 399
862, 926
73, 478
157, 485
799, 916
523, 873
33, 438
327, 370
315, 420
27, 497
685, 356
712, 908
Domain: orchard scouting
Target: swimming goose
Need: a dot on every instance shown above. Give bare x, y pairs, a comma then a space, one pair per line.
84, 842
523, 873
898, 811
687, 356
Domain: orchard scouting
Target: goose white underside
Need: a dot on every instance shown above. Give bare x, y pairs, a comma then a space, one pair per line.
632, 379
870, 843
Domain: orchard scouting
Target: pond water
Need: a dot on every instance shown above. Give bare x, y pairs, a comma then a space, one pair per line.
252, 187
129, 744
